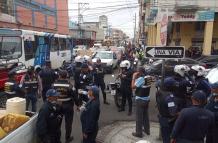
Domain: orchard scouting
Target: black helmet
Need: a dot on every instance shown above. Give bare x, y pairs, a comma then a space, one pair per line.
63, 73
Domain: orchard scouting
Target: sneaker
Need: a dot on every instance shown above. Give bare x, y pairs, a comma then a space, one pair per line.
136, 135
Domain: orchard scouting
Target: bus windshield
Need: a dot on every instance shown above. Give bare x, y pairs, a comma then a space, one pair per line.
10, 47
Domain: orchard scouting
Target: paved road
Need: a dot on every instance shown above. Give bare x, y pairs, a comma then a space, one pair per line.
109, 114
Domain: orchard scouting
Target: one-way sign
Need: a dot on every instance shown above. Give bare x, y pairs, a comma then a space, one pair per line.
165, 52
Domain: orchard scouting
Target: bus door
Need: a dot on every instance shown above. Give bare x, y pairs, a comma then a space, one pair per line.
43, 52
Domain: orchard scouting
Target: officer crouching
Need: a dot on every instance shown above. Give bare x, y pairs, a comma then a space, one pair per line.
67, 98
142, 83
48, 125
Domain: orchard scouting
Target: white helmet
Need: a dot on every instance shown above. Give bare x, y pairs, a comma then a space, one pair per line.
125, 64
78, 59
181, 69
87, 58
201, 71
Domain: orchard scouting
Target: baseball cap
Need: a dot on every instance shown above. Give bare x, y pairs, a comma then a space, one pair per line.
95, 90
199, 95
52, 92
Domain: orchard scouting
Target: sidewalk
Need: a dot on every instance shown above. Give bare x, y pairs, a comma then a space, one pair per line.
121, 132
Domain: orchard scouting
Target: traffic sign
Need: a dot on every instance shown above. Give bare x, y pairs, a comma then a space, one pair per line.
166, 52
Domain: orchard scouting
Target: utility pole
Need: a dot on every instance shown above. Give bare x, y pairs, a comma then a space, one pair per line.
134, 41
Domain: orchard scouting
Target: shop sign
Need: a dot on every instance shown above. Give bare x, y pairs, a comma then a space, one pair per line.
191, 16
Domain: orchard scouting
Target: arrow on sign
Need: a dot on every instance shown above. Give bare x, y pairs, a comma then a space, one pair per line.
165, 52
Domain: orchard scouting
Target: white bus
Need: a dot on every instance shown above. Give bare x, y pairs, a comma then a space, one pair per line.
34, 48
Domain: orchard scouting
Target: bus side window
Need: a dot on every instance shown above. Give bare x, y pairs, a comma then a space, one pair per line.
54, 44
63, 44
30, 49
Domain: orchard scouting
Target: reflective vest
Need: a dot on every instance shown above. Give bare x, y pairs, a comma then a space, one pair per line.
30, 84
63, 88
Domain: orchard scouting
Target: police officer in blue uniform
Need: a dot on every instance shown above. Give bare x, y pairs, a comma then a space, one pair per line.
85, 80
201, 83
48, 77
167, 109
31, 84
98, 72
181, 86
193, 123
67, 97
126, 90
213, 107
142, 84
90, 116
48, 125
11, 87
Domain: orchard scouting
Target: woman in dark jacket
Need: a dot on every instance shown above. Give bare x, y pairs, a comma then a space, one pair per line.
90, 116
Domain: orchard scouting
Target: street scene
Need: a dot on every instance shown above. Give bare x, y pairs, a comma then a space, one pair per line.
108, 71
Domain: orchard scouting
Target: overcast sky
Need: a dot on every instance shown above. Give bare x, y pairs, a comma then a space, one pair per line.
119, 15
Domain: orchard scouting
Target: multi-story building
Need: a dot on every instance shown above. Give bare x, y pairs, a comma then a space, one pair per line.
182, 22
82, 35
38, 15
103, 24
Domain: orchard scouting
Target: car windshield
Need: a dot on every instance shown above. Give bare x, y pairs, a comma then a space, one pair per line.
103, 55
10, 47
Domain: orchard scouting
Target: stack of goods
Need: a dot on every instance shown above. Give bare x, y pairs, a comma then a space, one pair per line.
13, 117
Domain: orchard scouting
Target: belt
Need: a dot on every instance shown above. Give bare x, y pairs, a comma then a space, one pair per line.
64, 99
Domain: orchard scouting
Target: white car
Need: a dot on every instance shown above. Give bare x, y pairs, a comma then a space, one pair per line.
108, 59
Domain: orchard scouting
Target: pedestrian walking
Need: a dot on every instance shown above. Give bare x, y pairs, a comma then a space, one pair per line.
90, 116
193, 123
142, 84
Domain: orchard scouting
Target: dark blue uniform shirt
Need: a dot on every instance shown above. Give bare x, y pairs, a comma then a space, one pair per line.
193, 124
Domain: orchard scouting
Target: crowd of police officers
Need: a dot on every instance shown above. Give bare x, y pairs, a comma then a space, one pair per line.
186, 102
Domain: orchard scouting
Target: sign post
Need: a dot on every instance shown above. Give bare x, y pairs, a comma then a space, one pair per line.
165, 52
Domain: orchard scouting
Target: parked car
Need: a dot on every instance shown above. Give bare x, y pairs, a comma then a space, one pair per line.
155, 67
108, 59
210, 61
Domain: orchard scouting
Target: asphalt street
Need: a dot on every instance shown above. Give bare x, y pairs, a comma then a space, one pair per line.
109, 113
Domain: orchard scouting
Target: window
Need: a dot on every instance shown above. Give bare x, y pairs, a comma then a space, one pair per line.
63, 44
199, 26
103, 55
10, 47
30, 48
6, 6
54, 44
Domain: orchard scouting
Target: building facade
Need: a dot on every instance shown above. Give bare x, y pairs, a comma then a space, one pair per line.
181, 23
38, 15
82, 35
103, 24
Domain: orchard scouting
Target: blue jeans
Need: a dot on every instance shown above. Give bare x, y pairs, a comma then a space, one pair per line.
31, 97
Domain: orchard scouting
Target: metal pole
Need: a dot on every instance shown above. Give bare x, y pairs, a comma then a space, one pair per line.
162, 73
